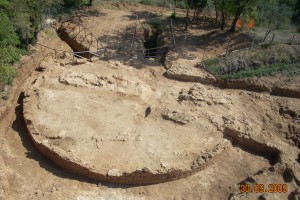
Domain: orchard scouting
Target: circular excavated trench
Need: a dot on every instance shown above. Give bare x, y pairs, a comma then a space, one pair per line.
99, 124
123, 125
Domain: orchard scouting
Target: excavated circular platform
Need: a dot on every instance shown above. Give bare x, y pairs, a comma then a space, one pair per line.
93, 120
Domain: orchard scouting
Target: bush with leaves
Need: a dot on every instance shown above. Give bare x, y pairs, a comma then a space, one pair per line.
273, 15
74, 3
7, 74
20, 22
8, 37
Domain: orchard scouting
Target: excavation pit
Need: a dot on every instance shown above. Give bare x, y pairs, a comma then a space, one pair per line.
119, 125
154, 39
104, 134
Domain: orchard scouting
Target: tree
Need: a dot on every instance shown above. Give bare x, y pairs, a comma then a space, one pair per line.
188, 4
90, 2
296, 15
8, 36
232, 9
198, 7
74, 3
273, 15
223, 8
4, 4
216, 3
239, 7
193, 4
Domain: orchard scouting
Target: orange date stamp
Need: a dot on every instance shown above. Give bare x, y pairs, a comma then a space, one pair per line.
261, 188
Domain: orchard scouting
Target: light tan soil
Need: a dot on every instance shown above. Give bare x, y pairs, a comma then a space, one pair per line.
90, 119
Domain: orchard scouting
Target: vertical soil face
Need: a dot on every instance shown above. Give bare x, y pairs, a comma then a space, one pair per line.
75, 45
155, 40
253, 146
151, 42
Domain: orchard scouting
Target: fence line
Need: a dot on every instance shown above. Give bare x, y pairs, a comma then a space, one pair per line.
85, 34
75, 54
147, 53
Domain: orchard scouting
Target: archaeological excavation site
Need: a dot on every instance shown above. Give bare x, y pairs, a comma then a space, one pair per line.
118, 102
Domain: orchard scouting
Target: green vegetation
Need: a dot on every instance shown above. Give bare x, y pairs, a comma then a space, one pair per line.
293, 69
148, 2
213, 66
20, 22
7, 74
286, 65
278, 68
271, 14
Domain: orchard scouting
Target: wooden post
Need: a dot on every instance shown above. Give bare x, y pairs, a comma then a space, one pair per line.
292, 39
172, 32
227, 48
133, 37
253, 43
273, 38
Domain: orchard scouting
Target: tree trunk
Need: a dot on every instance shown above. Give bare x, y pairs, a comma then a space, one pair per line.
217, 12
237, 16
239, 10
271, 29
194, 17
267, 33
223, 20
91, 2
175, 6
187, 19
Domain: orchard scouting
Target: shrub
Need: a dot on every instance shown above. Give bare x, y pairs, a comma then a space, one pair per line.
7, 33
173, 15
7, 74
148, 2
74, 3
156, 25
10, 55
212, 65
278, 68
181, 4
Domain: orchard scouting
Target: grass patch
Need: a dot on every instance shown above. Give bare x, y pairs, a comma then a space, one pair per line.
7, 74
212, 65
50, 32
278, 68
